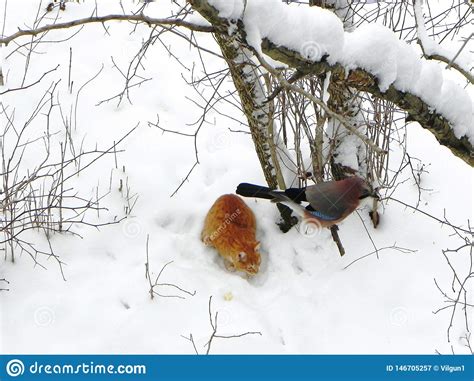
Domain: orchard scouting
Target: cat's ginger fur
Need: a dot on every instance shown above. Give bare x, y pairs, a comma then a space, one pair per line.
230, 227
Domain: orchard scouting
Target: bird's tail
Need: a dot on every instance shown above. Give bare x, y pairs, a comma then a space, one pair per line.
251, 190
282, 198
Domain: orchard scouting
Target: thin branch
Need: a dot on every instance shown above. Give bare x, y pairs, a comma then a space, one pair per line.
101, 19
213, 321
156, 283
393, 247
31, 84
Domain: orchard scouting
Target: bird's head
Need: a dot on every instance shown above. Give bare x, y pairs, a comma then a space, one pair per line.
357, 188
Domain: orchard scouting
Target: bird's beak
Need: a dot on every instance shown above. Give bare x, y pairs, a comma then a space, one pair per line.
375, 194
369, 193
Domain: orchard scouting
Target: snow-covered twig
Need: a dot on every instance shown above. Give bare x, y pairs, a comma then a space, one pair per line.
432, 50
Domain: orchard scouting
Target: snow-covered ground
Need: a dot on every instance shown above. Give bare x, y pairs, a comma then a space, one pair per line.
304, 300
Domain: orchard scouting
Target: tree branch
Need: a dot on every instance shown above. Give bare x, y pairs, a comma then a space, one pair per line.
101, 19
359, 79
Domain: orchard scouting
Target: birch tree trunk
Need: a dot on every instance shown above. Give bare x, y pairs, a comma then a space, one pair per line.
249, 83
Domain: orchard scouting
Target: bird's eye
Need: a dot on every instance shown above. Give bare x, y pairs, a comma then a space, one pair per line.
242, 256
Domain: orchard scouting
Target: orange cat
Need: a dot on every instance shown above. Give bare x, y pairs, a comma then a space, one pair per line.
230, 228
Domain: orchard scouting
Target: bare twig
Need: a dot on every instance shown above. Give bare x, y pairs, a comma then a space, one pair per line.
213, 321
102, 19
155, 285
393, 247
5, 281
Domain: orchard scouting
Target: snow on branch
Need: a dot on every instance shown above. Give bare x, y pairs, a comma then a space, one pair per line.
434, 51
370, 59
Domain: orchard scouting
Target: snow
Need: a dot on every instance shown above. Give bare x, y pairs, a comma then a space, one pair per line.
430, 81
396, 63
228, 9
302, 301
446, 97
457, 106
374, 48
313, 32
408, 67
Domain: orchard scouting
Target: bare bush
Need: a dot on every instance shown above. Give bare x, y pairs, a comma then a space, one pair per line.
38, 176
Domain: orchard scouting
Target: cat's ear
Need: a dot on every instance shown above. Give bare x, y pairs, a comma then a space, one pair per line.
257, 246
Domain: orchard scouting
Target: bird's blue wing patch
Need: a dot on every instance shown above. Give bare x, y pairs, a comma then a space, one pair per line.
322, 216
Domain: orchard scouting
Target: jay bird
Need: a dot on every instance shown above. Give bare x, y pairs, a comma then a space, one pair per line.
329, 202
